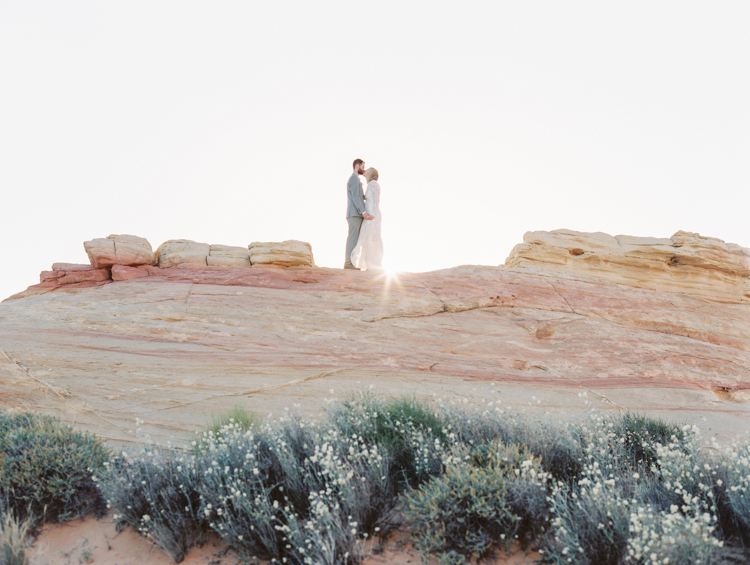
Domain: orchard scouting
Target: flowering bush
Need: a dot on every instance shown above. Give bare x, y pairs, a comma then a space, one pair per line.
608, 490
296, 490
156, 494
672, 537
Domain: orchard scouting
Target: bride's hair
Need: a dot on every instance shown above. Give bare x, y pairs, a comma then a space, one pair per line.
371, 174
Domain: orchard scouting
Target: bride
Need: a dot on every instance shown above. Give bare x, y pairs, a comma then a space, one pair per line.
368, 254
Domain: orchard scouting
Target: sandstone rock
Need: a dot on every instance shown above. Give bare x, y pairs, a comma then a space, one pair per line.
646, 324
124, 273
227, 256
186, 253
119, 250
73, 277
78, 274
183, 343
182, 252
71, 267
686, 262
291, 253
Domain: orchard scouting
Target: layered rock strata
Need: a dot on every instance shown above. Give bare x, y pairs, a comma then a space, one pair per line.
686, 262
171, 346
63, 274
183, 343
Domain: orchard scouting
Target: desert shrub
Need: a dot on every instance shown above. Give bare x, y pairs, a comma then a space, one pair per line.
673, 537
156, 494
46, 468
591, 524
664, 513
412, 433
484, 498
297, 490
15, 539
609, 490
556, 444
591, 516
731, 490
637, 434
237, 417
682, 475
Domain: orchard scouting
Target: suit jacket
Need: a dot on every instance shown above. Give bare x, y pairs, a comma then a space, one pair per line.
355, 205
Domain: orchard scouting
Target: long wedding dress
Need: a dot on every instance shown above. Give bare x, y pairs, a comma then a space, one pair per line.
368, 254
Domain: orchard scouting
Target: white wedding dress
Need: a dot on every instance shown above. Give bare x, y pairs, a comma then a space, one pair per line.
368, 254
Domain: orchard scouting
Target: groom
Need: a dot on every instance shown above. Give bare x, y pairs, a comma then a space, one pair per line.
355, 210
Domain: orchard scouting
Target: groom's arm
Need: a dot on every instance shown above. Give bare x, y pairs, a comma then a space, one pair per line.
355, 195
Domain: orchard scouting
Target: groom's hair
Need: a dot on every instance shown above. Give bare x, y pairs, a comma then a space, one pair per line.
357, 163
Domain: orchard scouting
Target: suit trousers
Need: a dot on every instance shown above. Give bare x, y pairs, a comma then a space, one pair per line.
355, 224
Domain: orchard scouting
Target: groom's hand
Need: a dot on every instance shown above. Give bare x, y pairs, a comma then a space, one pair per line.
367, 216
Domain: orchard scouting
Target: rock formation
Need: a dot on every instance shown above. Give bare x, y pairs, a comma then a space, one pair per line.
183, 252
173, 345
119, 250
176, 252
128, 257
227, 256
68, 273
686, 262
286, 254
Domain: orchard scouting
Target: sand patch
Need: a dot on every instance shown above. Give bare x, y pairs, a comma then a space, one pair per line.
98, 542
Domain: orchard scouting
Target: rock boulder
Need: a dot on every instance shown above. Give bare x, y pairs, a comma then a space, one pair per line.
187, 253
291, 253
179, 252
228, 256
119, 250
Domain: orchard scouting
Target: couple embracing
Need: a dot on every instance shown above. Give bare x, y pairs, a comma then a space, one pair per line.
364, 246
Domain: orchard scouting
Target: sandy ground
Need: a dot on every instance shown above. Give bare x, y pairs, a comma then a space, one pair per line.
98, 542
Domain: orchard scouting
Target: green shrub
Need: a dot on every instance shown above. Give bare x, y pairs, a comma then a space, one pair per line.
479, 502
46, 468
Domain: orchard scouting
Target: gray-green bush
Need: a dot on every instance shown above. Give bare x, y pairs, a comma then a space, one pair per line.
46, 468
486, 497
157, 494
611, 490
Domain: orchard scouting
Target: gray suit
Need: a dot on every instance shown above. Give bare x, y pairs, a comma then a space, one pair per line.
355, 207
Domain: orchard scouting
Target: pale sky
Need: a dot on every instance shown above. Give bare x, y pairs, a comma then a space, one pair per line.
233, 122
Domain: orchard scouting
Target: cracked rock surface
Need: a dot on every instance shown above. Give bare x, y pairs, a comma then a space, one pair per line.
175, 346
